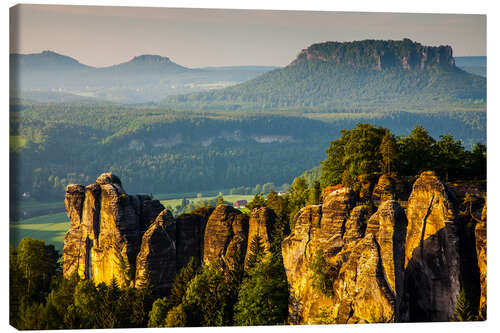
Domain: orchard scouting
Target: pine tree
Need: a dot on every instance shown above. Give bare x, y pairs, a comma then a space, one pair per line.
220, 200
315, 193
388, 151
256, 252
181, 282
464, 310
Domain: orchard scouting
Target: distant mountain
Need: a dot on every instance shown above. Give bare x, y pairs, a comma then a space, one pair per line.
474, 65
352, 75
45, 61
147, 63
49, 76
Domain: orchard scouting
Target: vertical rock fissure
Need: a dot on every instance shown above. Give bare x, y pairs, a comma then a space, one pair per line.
308, 234
429, 211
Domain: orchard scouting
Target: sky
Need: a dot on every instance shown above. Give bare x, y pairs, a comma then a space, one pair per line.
104, 36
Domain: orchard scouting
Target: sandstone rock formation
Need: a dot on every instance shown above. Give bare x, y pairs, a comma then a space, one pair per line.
133, 239
105, 234
190, 230
393, 266
156, 260
432, 261
261, 224
384, 190
364, 260
416, 57
481, 259
225, 235
389, 266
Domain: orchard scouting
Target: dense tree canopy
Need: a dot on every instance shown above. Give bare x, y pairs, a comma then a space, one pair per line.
369, 149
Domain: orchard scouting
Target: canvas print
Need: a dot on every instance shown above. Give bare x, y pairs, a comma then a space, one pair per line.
179, 167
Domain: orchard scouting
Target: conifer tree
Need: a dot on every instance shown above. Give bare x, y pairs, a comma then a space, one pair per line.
256, 252
464, 309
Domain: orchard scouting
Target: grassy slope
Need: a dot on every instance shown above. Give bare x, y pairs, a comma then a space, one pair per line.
50, 228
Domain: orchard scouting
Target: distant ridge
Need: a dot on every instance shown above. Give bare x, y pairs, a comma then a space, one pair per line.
49, 76
368, 74
44, 61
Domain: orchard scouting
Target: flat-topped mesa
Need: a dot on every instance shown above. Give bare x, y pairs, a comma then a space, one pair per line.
106, 230
379, 55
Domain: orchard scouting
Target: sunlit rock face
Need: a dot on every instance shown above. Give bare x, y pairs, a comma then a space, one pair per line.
432, 261
364, 257
225, 236
316, 228
106, 230
382, 263
384, 190
480, 233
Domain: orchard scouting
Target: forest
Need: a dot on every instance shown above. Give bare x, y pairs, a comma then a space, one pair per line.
158, 150
214, 295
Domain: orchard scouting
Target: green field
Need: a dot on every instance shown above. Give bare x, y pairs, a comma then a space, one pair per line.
229, 198
50, 228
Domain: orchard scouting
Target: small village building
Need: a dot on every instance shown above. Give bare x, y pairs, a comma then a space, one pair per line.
239, 204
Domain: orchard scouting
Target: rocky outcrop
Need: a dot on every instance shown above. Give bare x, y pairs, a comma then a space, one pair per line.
393, 266
480, 233
388, 225
261, 224
343, 264
432, 262
384, 190
157, 259
225, 235
134, 240
379, 55
190, 230
105, 234
317, 229
362, 294
364, 262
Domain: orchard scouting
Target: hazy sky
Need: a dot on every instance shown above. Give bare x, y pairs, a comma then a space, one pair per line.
102, 36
